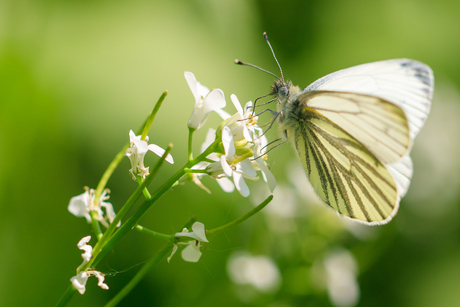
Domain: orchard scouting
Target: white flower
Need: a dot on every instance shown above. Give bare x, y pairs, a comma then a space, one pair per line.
136, 152
242, 123
223, 181
192, 252
88, 249
79, 281
239, 170
81, 205
260, 144
205, 101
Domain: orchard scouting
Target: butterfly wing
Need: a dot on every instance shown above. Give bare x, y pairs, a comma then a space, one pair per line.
406, 83
377, 124
343, 172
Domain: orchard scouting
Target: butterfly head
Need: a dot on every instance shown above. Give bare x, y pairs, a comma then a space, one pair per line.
280, 89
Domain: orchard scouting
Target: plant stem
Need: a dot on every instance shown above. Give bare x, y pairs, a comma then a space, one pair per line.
142, 229
151, 117
69, 292
196, 171
137, 278
109, 171
190, 138
145, 190
241, 218
96, 226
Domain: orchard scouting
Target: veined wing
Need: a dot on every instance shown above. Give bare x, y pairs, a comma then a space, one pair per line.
402, 173
377, 124
406, 83
346, 175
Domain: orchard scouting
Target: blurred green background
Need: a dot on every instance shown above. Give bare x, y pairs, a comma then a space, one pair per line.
76, 76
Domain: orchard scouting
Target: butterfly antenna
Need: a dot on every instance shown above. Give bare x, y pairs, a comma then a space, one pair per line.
257, 67
273, 52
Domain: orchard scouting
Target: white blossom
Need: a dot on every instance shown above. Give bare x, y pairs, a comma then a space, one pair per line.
236, 170
224, 182
136, 153
259, 163
191, 252
87, 249
83, 204
242, 123
79, 280
205, 101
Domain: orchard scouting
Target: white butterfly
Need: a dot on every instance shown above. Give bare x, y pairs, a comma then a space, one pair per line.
353, 131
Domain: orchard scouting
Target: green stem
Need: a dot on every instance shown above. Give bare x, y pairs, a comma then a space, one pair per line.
142, 229
151, 117
109, 171
197, 171
190, 138
69, 292
240, 219
137, 278
145, 190
96, 225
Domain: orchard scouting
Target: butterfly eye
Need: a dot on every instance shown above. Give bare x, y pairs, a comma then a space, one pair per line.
283, 92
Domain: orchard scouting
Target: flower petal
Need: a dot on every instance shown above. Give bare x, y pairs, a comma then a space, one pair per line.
224, 115
100, 280
247, 134
226, 184
225, 166
210, 137
172, 253
88, 249
268, 177
132, 136
240, 184
214, 101
199, 230
227, 143
160, 152
79, 282
237, 104
110, 212
191, 81
247, 168
79, 206
192, 252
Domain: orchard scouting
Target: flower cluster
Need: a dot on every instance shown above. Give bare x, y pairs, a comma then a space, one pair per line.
233, 153
241, 139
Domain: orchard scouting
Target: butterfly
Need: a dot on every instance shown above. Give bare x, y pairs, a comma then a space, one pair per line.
353, 131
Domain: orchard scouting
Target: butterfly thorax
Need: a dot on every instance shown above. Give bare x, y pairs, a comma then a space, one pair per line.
286, 94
